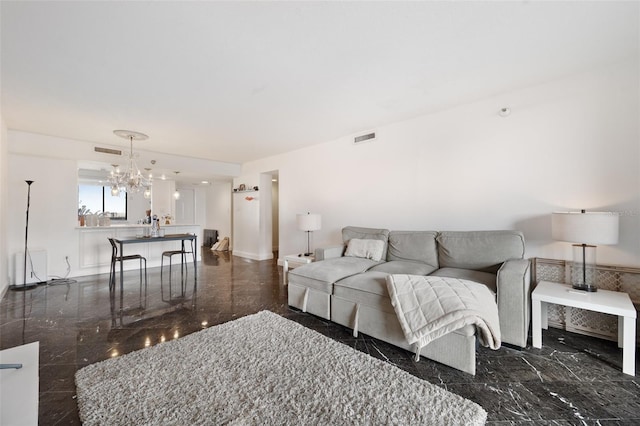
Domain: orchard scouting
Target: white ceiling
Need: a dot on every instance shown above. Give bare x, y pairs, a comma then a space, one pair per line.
238, 81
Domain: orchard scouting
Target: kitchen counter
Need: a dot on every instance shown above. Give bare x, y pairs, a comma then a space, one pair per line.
95, 250
131, 225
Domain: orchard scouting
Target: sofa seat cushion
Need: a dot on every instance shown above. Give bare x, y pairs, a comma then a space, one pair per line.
485, 278
404, 267
321, 275
369, 288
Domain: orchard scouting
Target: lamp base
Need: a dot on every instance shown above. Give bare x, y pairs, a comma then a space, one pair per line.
305, 254
24, 287
588, 288
583, 271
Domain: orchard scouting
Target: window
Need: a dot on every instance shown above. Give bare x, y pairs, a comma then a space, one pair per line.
98, 199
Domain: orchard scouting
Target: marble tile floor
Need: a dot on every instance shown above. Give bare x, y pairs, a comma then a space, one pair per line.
573, 379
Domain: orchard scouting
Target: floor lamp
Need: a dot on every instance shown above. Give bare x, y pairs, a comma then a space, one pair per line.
26, 239
308, 223
586, 229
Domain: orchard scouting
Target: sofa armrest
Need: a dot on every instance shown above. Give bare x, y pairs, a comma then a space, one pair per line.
323, 253
514, 301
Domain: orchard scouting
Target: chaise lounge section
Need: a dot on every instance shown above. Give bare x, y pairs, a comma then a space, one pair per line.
348, 284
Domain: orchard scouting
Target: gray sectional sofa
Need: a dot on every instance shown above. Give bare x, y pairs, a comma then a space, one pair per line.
349, 286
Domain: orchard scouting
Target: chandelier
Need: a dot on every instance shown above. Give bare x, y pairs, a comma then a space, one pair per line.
130, 180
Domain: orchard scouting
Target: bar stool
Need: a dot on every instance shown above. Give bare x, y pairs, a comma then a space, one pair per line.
170, 253
183, 259
115, 258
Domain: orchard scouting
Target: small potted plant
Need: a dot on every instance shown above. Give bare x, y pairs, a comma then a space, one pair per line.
82, 212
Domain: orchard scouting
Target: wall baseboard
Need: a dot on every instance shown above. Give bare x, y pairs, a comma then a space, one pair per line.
253, 256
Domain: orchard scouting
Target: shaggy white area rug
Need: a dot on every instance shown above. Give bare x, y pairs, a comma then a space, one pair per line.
262, 370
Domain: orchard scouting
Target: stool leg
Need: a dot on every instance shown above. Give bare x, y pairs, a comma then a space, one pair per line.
140, 292
161, 281
170, 279
161, 266
146, 281
111, 275
183, 269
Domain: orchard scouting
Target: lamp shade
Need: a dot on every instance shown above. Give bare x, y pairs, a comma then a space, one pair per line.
308, 221
585, 227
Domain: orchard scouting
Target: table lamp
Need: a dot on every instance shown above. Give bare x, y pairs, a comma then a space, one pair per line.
585, 229
308, 222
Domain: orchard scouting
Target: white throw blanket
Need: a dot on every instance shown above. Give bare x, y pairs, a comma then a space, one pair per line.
429, 307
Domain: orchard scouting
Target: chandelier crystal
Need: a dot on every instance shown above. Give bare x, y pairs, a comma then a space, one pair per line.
131, 180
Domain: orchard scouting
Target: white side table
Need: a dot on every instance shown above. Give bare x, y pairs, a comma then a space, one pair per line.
607, 302
295, 260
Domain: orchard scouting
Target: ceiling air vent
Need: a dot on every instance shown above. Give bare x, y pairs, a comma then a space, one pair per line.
364, 138
107, 150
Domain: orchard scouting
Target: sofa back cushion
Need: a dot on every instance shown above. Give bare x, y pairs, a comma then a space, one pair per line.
368, 249
349, 232
479, 250
417, 246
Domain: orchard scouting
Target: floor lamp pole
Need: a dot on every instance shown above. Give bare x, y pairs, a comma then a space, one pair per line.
26, 229
26, 239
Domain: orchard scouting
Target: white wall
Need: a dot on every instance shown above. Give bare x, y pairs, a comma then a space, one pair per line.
137, 206
568, 144
252, 218
53, 213
265, 197
4, 187
162, 201
218, 200
200, 200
